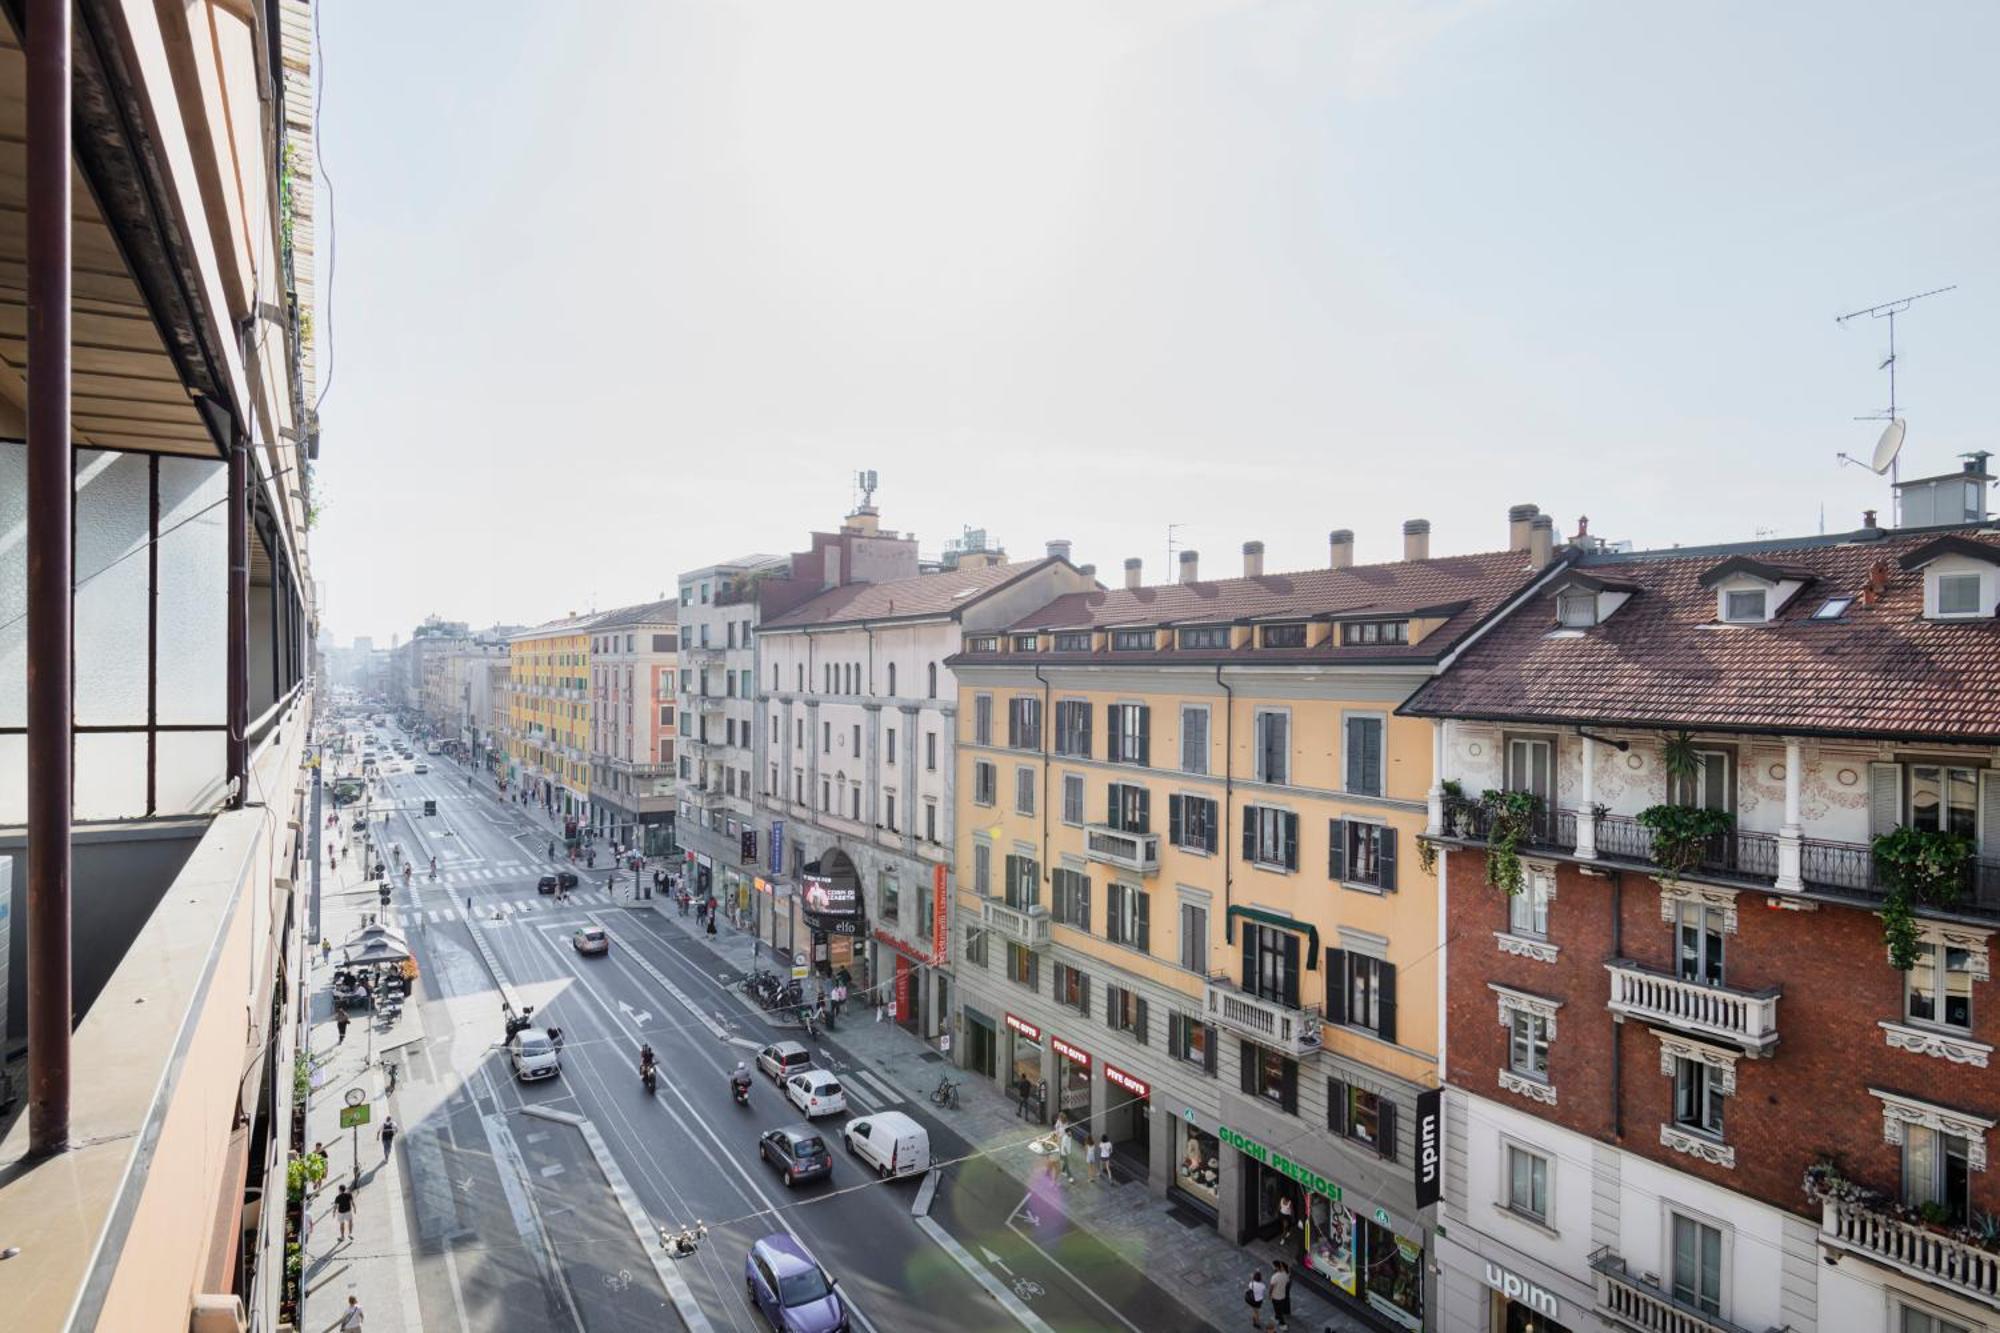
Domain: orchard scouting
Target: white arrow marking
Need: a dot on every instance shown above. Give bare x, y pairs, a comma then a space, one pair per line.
996, 1261
639, 1017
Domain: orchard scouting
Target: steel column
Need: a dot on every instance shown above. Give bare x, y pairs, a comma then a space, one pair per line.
237, 756
51, 524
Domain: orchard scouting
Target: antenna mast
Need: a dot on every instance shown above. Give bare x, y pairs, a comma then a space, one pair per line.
1172, 528
1889, 310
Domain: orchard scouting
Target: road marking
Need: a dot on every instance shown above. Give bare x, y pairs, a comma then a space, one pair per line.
1033, 1220
875, 1083
979, 1273
527, 1214
646, 965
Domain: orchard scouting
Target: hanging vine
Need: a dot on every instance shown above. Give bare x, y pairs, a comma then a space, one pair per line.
1919, 867
1510, 817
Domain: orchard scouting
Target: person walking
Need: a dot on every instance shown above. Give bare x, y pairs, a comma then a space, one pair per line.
340, 1026
325, 950
351, 1317
343, 1210
1104, 1159
1281, 1295
1090, 1159
1285, 1218
1253, 1296
388, 1135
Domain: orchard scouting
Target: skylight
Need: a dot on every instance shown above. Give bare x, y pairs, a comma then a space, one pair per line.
1833, 608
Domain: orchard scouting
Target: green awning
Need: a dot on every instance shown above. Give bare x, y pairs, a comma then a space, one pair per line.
1258, 914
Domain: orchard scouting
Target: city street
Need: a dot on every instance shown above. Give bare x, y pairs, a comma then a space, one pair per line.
511, 1205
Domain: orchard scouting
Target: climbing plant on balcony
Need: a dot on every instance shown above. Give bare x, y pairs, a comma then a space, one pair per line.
1681, 833
1510, 817
1918, 867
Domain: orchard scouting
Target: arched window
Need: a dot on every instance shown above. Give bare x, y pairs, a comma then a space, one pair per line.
933, 679
892, 679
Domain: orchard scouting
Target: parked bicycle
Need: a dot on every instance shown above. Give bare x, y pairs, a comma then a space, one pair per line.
945, 1093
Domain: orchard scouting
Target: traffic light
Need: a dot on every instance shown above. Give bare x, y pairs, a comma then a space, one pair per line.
430, 807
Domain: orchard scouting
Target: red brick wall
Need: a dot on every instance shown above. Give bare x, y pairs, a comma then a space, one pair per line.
1808, 1099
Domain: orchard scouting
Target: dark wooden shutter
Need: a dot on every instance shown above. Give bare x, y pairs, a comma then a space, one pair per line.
1145, 734
1145, 822
1336, 854
1386, 1144
1083, 913
1336, 1107
1247, 933
1145, 920
1249, 833
1114, 733
1208, 1048
1247, 1065
1174, 820
1141, 1026
1336, 986
1386, 1029
1290, 826
1288, 1087
1083, 730
1388, 857
1291, 969
1209, 809
1014, 723
1083, 996
1009, 893
1176, 1047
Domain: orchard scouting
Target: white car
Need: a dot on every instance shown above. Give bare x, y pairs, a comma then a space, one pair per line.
422, 768
534, 1055
816, 1092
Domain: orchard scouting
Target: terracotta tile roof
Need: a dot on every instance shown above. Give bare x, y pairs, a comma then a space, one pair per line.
1879, 671
646, 613
924, 595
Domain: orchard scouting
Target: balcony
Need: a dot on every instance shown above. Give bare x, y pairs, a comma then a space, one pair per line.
1639, 1303
708, 703
708, 798
1551, 830
1747, 1018
1137, 852
1026, 926
1268, 1022
1929, 1255
695, 654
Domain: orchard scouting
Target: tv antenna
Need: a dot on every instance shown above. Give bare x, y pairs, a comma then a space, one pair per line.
1172, 528
1890, 442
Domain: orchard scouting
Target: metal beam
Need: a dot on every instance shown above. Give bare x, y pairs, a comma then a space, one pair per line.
237, 756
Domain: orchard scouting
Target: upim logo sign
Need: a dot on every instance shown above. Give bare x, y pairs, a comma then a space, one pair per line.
1519, 1289
1430, 1148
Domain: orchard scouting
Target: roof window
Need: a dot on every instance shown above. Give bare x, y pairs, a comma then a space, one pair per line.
1076, 641
1744, 606
1576, 610
1205, 636
1132, 640
1375, 631
1282, 636
1833, 608
1026, 643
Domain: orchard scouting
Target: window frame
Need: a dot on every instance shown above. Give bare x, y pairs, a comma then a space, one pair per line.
1201, 711
1958, 578
1075, 800
1380, 723
1676, 1215
1268, 758
1934, 956
1731, 614
1566, 600
1510, 1180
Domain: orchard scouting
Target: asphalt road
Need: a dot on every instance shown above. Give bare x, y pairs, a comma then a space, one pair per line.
515, 1219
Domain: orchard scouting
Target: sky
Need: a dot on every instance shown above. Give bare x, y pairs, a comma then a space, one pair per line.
623, 289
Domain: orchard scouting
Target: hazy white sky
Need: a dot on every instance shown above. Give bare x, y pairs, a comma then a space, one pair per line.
627, 288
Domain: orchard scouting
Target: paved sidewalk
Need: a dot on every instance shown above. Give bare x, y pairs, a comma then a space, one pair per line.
378, 1264
1205, 1272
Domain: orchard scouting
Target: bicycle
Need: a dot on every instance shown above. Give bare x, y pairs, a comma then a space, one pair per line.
945, 1094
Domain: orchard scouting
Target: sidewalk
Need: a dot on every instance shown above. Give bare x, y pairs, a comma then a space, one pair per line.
378, 1265
1207, 1275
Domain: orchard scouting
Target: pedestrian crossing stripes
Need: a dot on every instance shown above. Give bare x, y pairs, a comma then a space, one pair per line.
877, 1087
483, 911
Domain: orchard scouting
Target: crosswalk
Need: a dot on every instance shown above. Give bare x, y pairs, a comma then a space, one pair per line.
485, 910
876, 1089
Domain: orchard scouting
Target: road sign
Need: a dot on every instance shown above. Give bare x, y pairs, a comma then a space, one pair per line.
798, 959
352, 1117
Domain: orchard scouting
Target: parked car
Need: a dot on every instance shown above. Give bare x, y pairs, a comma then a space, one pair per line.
790, 1288
546, 884
591, 939
891, 1142
566, 878
816, 1092
534, 1055
797, 1151
782, 1059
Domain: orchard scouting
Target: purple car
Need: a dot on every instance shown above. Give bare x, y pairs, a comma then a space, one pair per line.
793, 1291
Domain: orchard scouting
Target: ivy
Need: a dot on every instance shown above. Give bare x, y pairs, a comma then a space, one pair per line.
1427, 856
1681, 833
1919, 867
1510, 817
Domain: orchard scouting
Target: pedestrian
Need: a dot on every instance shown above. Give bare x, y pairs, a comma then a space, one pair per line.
1253, 1296
343, 1210
711, 923
350, 1318
388, 1135
325, 949
552, 849
1104, 1159
1281, 1294
340, 1026
1090, 1159
1285, 1218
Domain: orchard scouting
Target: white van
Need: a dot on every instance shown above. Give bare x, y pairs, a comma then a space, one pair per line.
891, 1142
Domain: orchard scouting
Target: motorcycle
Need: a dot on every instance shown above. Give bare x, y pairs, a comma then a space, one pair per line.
649, 1075
806, 1021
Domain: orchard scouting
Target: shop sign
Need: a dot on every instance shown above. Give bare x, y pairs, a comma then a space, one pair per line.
1430, 1147
1070, 1053
761, 884
824, 897
1517, 1288
1137, 1087
1024, 1027
777, 857
940, 936
701, 859
1280, 1163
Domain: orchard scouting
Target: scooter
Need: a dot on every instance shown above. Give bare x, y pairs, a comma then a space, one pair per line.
649, 1075
741, 1091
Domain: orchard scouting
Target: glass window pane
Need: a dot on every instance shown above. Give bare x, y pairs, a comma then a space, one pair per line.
1958, 988
113, 526
1922, 984
193, 554
111, 775
189, 777
13, 610
1925, 795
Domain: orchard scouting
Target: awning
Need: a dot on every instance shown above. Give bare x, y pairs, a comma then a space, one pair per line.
1279, 922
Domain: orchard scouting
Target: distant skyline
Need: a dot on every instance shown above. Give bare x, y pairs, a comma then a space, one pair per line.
624, 289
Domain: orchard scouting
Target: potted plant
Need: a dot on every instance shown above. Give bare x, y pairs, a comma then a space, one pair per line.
1917, 866
1681, 833
1510, 817
1455, 804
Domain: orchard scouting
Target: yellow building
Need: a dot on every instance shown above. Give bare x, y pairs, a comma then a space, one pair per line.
1192, 911
548, 731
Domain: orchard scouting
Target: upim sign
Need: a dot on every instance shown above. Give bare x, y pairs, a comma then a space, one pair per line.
1519, 1289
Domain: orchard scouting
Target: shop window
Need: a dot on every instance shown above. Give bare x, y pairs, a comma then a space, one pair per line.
1270, 1075
1191, 1040
1200, 1166
1363, 1117
1938, 988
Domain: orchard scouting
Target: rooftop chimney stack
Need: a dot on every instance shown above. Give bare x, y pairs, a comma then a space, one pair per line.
1059, 549
1088, 571
1132, 568
1190, 566
1253, 560
1340, 542
1541, 541
1518, 519
1417, 539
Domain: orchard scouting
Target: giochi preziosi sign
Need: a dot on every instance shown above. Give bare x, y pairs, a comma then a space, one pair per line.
1278, 1162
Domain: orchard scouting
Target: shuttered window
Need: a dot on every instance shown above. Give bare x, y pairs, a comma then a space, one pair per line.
1364, 755
1128, 731
1271, 837
1361, 852
1191, 823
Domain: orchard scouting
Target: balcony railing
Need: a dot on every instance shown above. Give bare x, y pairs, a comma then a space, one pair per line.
1748, 1018
708, 703
1639, 1304
1268, 1022
1026, 926
1550, 829
1931, 1256
1137, 852
708, 798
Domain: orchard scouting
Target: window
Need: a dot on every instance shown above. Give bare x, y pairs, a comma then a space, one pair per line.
1131, 640
1531, 767
985, 784
1072, 988
1023, 966
890, 895
1194, 938
1698, 1097
1743, 605
1194, 739
1528, 1044
1576, 610
1282, 636
1023, 890
1270, 963
802, 678
1024, 722
1072, 798
1528, 1184
982, 719
1128, 730
1923, 1321
1128, 808
857, 740
1833, 608
826, 738
931, 669
1209, 636
986, 643
982, 869
732, 634
1366, 993
892, 679
1364, 755
1026, 643
1363, 1117
1024, 791
1375, 631
825, 794
1125, 1011
1191, 823
772, 789
1271, 837
1697, 1264
1127, 917
1528, 910
1938, 987
889, 810
1192, 1040
1073, 727
666, 715
1071, 890
854, 803
1958, 594
975, 945
1073, 642
930, 820
889, 754
1270, 1075
1936, 1171
1698, 943
930, 751
1944, 798
1274, 748
1362, 853
1712, 785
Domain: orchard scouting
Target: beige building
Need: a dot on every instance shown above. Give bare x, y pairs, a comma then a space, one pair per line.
633, 718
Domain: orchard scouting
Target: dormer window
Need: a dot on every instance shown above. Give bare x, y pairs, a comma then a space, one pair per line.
1576, 610
1075, 641
1961, 577
1131, 640
1025, 643
1207, 636
1283, 636
1958, 594
1744, 606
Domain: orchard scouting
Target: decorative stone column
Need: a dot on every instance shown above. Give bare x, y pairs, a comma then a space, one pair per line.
1434, 799
1586, 815
1791, 834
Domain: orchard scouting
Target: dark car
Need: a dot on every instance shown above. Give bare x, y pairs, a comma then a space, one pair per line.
546, 884
566, 878
794, 1293
797, 1151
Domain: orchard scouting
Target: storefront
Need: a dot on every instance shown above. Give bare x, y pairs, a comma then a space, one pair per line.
1515, 1293
982, 1043
1024, 1063
1128, 1120
1072, 1080
1197, 1163
831, 909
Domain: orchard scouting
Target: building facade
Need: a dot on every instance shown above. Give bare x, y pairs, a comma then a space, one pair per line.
1720, 838
633, 715
548, 671
1193, 916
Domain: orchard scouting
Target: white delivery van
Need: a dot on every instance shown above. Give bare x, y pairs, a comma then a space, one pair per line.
891, 1142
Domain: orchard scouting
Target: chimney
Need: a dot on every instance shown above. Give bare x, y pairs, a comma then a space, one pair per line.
1341, 543
1088, 571
1518, 519
1132, 567
1417, 539
1582, 528
1541, 541
1190, 566
1059, 550
1253, 560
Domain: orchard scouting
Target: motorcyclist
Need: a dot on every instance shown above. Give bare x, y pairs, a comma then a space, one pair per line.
739, 1079
646, 1057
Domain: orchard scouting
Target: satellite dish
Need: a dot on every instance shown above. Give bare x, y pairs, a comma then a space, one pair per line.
1887, 447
